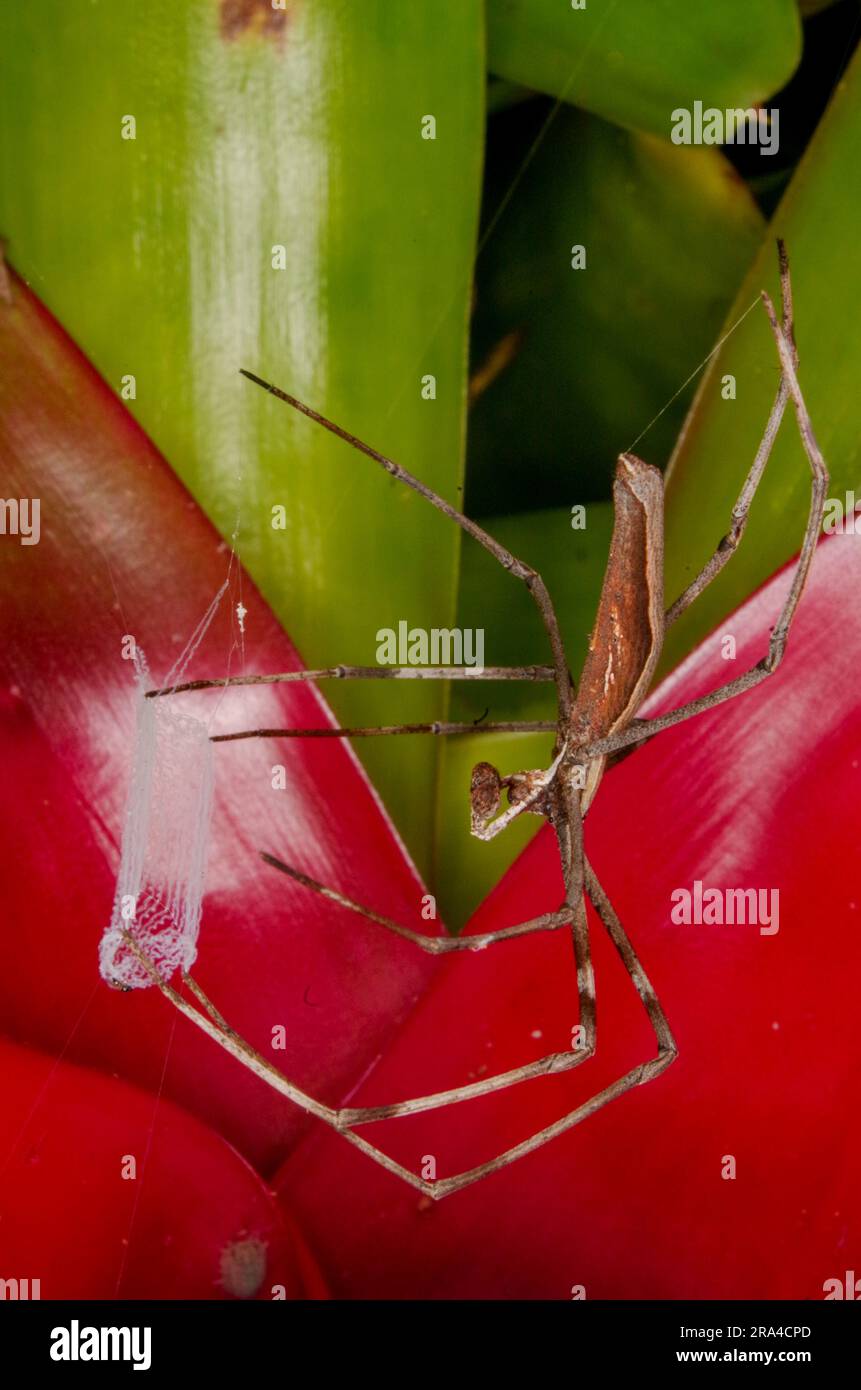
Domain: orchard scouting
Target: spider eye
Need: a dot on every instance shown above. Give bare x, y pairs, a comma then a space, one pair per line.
485, 789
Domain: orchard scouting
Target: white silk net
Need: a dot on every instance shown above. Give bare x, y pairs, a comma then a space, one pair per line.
160, 883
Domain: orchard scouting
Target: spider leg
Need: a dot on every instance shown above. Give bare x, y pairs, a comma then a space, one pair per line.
343, 1119
369, 673
641, 729
212, 1023
434, 945
572, 914
529, 576
515, 726
631, 962
545, 1066
741, 510
638, 1076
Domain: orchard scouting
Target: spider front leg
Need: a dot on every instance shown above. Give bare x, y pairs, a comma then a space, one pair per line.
510, 563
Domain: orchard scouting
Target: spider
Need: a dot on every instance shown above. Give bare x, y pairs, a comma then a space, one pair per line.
596, 720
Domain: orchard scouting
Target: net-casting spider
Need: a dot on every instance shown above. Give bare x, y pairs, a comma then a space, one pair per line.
596, 719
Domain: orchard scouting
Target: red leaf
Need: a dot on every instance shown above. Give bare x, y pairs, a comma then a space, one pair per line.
124, 549
760, 793
194, 1222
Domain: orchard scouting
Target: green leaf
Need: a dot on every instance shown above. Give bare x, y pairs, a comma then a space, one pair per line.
572, 562
635, 62
258, 128
820, 226
595, 353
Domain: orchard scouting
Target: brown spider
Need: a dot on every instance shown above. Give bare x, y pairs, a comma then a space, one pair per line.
595, 720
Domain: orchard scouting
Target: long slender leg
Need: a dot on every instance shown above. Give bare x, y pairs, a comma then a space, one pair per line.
213, 1024
572, 913
368, 673
568, 827
220, 1031
638, 1076
554, 1062
645, 728
551, 1064
530, 577
741, 510
434, 945
513, 726
631, 962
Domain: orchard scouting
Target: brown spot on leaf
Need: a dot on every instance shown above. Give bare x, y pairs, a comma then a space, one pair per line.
241, 17
243, 1265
